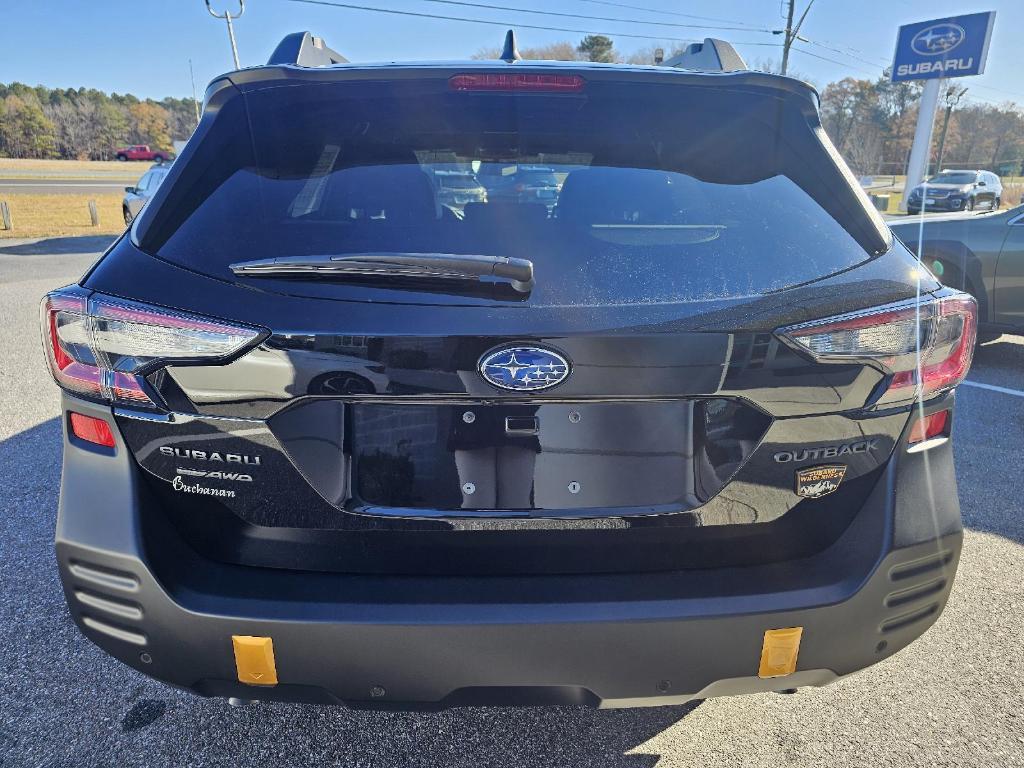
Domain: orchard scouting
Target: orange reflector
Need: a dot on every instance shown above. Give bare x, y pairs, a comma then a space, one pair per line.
779, 652
254, 660
92, 430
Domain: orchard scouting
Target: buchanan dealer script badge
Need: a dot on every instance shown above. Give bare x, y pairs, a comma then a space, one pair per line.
815, 482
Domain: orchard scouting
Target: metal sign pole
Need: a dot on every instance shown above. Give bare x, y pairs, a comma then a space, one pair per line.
917, 167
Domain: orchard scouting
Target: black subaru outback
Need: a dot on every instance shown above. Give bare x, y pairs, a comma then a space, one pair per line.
683, 431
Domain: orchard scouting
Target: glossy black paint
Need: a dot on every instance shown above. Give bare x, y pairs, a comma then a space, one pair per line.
324, 466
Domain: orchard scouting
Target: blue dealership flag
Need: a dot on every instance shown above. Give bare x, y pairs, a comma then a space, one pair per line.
952, 47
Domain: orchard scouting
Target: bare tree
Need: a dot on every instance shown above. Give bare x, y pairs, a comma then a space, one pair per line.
564, 51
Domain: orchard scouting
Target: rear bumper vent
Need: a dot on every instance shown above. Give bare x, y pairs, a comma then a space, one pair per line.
906, 619
122, 610
116, 632
101, 577
923, 584
921, 565
90, 588
917, 592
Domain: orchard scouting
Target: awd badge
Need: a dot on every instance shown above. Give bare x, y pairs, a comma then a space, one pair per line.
815, 482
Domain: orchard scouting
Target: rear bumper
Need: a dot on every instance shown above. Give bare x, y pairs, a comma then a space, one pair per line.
408, 642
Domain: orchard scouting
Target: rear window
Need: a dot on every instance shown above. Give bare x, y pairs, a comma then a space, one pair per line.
953, 178
659, 192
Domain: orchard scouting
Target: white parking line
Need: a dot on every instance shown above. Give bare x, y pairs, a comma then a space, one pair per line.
994, 388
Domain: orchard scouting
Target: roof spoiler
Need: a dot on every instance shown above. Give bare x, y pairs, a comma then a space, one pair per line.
710, 56
302, 49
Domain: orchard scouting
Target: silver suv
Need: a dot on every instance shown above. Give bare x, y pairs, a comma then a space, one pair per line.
136, 197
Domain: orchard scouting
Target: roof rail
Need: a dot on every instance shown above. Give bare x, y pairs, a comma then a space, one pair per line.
304, 50
710, 56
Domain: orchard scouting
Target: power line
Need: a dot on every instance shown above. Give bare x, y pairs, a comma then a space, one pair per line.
980, 99
844, 52
997, 90
617, 20
630, 35
668, 13
494, 23
833, 61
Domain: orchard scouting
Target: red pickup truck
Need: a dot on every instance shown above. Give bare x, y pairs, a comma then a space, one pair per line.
143, 152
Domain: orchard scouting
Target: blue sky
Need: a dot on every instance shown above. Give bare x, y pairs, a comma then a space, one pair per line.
143, 46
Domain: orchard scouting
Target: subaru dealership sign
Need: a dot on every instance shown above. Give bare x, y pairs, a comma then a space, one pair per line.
952, 47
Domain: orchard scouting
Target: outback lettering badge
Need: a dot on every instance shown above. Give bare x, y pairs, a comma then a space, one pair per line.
815, 482
826, 451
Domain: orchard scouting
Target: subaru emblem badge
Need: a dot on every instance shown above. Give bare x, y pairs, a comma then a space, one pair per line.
523, 368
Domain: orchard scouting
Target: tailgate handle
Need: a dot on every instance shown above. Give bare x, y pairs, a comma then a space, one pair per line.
522, 425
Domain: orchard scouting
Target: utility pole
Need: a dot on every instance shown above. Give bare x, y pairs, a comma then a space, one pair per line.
791, 33
953, 95
231, 30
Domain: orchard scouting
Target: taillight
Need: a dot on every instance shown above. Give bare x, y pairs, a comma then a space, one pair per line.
925, 345
102, 347
516, 81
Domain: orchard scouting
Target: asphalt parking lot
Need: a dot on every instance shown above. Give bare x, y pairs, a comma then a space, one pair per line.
955, 697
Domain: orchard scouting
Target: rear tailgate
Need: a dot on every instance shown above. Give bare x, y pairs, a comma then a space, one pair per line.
381, 426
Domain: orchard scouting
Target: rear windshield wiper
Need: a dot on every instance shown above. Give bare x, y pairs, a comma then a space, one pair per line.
444, 266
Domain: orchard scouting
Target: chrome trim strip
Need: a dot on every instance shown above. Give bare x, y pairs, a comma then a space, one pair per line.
925, 445
175, 417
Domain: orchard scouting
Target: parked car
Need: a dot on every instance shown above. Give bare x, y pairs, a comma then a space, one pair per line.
143, 152
980, 254
640, 453
137, 196
456, 189
957, 191
520, 184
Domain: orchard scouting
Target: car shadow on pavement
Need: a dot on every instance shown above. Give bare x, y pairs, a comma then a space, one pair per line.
59, 245
541, 737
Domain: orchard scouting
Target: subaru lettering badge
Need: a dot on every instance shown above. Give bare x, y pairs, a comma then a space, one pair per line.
938, 38
524, 368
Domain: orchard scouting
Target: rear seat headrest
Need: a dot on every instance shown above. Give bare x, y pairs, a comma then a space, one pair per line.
505, 215
605, 195
400, 193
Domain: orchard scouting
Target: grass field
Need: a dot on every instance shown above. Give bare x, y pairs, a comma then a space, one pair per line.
11, 168
61, 215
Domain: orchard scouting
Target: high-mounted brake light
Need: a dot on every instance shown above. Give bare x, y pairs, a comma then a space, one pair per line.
102, 347
517, 81
925, 345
